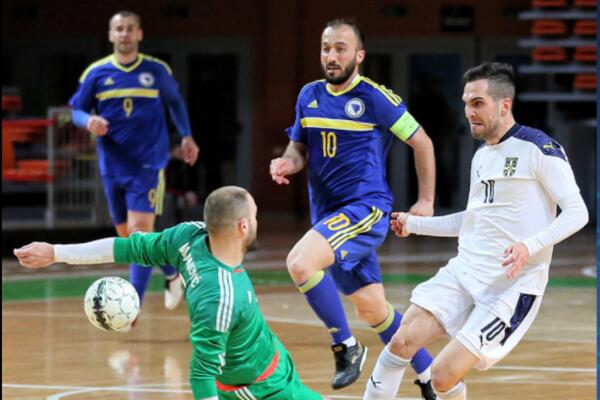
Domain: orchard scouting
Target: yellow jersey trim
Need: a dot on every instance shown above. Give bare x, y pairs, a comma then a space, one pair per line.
312, 282
330, 123
160, 192
310, 83
127, 92
405, 126
130, 68
352, 85
389, 94
93, 65
158, 60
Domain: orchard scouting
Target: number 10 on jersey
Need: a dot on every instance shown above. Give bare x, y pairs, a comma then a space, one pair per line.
329, 144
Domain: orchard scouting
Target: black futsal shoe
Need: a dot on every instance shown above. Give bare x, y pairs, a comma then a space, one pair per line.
426, 390
348, 364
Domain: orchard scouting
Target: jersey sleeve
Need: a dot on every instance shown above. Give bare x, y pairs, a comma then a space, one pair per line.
556, 175
153, 249
84, 98
169, 89
296, 132
209, 342
391, 113
169, 92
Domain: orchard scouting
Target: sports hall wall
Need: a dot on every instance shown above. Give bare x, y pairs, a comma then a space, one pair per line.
267, 50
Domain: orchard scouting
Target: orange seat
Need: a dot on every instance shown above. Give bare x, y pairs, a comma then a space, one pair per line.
549, 3
548, 27
585, 54
23, 131
585, 27
585, 3
549, 54
12, 103
585, 82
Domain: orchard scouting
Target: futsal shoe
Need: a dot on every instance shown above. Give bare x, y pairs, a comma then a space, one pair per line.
426, 390
173, 292
348, 364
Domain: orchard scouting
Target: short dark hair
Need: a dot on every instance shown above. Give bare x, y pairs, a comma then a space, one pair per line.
126, 13
501, 77
336, 23
224, 207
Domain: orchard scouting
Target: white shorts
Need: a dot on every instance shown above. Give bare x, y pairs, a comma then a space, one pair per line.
488, 321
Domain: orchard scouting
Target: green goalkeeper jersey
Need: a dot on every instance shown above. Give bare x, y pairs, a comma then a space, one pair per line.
231, 341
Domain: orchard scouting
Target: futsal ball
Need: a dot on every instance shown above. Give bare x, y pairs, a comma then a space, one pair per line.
111, 304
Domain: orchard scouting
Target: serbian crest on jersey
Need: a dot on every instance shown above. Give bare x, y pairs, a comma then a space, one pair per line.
146, 79
355, 108
510, 166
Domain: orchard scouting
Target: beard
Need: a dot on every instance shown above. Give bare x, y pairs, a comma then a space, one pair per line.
250, 241
490, 130
487, 132
345, 75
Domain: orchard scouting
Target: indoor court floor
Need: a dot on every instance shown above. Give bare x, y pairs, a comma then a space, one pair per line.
50, 351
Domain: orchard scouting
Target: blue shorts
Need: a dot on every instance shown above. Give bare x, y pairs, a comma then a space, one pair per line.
354, 233
143, 192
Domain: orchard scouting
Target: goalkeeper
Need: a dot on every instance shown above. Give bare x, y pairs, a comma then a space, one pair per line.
235, 354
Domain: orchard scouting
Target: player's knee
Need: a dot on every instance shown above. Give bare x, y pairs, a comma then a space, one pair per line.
370, 313
298, 270
442, 378
403, 345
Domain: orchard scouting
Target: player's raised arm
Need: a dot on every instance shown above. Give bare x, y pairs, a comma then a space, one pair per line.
425, 165
42, 254
144, 248
292, 161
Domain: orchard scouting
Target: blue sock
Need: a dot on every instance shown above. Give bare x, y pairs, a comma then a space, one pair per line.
168, 270
323, 297
139, 277
389, 326
421, 360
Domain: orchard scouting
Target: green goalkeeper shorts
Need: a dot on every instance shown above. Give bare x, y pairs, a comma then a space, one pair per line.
283, 384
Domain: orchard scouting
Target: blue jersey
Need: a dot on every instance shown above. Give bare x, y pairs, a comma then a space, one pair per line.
348, 135
131, 99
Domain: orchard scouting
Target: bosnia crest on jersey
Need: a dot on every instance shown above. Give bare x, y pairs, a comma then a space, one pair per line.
510, 166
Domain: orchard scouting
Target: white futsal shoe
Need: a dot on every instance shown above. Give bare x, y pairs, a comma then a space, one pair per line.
173, 292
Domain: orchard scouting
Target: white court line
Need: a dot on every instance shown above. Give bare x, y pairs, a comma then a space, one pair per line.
495, 380
88, 389
136, 388
544, 369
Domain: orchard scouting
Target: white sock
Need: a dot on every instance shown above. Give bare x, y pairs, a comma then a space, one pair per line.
387, 375
425, 376
351, 341
458, 392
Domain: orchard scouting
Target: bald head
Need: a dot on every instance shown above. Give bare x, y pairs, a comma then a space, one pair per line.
225, 207
125, 14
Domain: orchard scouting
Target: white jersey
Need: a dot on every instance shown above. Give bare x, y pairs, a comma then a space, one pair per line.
514, 190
